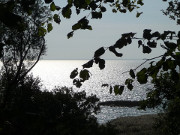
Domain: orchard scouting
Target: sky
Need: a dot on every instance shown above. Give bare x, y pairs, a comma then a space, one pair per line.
106, 32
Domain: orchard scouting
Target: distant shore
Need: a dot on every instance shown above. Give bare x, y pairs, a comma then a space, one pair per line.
135, 125
120, 103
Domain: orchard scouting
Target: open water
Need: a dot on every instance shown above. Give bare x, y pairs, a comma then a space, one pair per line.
57, 73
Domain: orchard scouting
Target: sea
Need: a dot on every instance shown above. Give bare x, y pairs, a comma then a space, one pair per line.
56, 73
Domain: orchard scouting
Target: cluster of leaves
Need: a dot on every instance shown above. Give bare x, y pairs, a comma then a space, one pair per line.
95, 7
173, 11
84, 74
31, 110
168, 62
166, 94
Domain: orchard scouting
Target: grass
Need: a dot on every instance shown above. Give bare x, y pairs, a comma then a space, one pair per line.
135, 125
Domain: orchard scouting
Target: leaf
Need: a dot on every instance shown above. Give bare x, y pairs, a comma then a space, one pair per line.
121, 90
146, 49
123, 10
49, 27
147, 34
66, 12
140, 2
76, 26
77, 83
118, 89
74, 73
129, 40
96, 15
170, 45
128, 81
56, 18
70, 34
156, 34
132, 73
130, 86
99, 52
84, 74
77, 11
112, 49
48, 1
110, 89
121, 43
103, 9
88, 64
101, 64
52, 6
152, 44
138, 14
142, 76
41, 31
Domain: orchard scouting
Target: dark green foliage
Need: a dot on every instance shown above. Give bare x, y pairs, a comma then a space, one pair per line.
99, 52
173, 11
74, 73
95, 8
88, 64
166, 93
31, 111
132, 74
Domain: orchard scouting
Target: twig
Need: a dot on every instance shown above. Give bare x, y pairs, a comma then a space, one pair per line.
145, 62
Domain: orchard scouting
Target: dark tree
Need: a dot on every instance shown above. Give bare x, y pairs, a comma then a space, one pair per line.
22, 46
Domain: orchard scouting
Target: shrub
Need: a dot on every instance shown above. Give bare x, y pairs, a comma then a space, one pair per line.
61, 111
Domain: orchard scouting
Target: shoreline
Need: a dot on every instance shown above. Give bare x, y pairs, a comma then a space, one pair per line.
135, 125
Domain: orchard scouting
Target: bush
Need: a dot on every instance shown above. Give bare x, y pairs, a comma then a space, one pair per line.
166, 94
61, 111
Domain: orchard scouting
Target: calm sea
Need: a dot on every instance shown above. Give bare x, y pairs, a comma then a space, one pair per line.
56, 73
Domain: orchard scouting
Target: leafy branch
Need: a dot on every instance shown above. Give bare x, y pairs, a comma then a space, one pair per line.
168, 62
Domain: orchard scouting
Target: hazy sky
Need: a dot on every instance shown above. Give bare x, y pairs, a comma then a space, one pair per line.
106, 32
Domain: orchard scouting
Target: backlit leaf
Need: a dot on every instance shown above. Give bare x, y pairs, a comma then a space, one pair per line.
101, 64
84, 74
132, 73
48, 1
142, 76
49, 27
112, 49
138, 14
52, 6
88, 64
70, 34
56, 18
66, 12
152, 44
74, 73
146, 49
99, 52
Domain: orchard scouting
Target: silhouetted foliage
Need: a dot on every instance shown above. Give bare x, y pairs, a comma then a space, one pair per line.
165, 94
173, 11
22, 45
34, 111
21, 50
95, 8
164, 72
